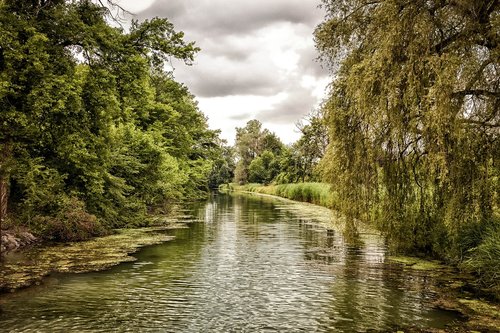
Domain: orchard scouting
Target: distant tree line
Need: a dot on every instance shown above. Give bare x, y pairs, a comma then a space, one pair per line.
263, 158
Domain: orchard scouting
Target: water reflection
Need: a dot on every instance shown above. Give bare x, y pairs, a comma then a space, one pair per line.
252, 264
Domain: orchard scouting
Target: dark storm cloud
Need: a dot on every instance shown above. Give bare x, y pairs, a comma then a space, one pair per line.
233, 17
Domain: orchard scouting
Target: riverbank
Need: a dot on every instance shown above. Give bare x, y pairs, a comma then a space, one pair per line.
480, 261
315, 193
457, 292
12, 240
26, 266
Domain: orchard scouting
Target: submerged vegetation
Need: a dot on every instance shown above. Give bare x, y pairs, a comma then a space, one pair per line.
77, 257
94, 134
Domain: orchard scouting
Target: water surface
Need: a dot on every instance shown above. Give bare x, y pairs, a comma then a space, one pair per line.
253, 264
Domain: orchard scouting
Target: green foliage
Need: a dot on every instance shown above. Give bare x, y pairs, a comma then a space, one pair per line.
223, 168
262, 157
299, 162
484, 260
71, 223
92, 132
240, 173
413, 119
264, 168
38, 190
315, 193
251, 142
413, 116
158, 39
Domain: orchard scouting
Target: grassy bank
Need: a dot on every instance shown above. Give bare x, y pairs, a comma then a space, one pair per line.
315, 193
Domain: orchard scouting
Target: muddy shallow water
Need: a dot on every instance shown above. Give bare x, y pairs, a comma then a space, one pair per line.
252, 264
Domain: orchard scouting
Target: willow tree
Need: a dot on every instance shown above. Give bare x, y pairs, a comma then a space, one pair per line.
413, 117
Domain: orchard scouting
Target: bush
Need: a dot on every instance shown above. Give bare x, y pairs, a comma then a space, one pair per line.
71, 223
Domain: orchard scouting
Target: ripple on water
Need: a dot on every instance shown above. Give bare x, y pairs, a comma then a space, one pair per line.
252, 264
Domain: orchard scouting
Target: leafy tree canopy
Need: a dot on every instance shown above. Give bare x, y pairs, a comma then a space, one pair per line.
89, 121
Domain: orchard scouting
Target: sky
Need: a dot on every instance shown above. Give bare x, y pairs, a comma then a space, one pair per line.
257, 59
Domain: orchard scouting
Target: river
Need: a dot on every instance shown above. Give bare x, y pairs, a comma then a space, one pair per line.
253, 264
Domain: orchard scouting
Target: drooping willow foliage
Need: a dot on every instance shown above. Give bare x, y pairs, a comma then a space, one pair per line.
413, 118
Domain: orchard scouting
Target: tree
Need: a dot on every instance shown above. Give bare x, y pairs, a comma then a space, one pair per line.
299, 162
223, 167
413, 117
251, 142
248, 141
89, 121
311, 146
264, 168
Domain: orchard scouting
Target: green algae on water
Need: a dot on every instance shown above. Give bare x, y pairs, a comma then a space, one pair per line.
417, 263
25, 268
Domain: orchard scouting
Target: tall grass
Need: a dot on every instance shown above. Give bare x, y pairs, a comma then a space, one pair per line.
484, 262
315, 193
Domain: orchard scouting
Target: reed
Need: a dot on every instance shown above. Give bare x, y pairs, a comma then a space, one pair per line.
315, 193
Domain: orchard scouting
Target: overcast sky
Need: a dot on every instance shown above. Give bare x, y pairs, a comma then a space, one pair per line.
256, 59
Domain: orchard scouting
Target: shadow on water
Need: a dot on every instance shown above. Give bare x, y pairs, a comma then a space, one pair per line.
251, 264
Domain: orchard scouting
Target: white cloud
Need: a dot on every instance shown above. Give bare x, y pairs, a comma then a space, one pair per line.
257, 60
227, 113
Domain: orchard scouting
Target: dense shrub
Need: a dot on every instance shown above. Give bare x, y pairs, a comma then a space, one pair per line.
72, 223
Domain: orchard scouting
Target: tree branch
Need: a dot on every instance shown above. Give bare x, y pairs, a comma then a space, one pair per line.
480, 123
476, 92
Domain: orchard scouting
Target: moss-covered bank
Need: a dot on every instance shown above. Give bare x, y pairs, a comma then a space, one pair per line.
19, 269
22, 269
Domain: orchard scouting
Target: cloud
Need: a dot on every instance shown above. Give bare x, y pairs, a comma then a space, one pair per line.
234, 17
241, 116
135, 6
256, 59
259, 63
169, 9
298, 102
233, 70
310, 64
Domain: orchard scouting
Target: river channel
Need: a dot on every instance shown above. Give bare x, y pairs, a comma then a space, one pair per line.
251, 264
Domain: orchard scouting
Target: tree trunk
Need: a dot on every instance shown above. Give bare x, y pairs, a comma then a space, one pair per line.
5, 155
4, 195
3, 206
